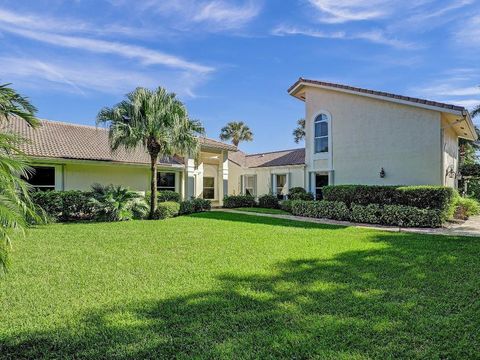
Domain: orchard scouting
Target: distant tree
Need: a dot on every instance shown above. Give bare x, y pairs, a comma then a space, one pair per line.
156, 120
236, 132
16, 208
299, 131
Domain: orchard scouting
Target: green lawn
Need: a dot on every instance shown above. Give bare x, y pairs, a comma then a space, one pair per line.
224, 285
263, 210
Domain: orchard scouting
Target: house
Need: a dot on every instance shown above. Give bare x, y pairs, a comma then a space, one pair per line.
353, 136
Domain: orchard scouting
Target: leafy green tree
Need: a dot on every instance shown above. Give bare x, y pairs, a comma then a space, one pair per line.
16, 208
236, 131
299, 131
156, 120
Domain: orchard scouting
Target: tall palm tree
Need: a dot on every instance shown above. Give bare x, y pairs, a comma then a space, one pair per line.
299, 131
476, 111
16, 208
236, 131
156, 120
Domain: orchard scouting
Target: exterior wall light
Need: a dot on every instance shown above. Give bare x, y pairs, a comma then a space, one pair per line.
382, 173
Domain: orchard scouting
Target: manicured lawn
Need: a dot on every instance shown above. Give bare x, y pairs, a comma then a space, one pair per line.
220, 285
263, 210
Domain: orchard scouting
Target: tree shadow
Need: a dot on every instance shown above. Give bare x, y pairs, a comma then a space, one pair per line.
415, 298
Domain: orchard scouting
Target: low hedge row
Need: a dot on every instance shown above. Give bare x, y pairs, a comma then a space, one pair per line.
395, 215
72, 205
194, 206
423, 197
237, 201
268, 201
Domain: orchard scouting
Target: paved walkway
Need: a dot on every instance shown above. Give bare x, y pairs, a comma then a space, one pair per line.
471, 227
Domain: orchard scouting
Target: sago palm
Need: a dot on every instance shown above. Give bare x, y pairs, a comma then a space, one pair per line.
16, 208
155, 120
236, 132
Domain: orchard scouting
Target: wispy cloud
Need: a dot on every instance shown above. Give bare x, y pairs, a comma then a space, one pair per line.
226, 15
374, 36
340, 11
468, 33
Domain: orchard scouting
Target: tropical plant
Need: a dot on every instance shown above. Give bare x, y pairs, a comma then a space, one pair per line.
117, 203
16, 208
236, 131
156, 120
299, 131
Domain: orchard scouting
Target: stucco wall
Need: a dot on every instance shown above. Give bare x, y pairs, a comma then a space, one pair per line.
450, 153
368, 134
234, 172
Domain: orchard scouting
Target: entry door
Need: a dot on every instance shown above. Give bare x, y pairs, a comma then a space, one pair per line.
320, 182
209, 188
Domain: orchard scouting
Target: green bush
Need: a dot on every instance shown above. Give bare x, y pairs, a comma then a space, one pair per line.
335, 210
236, 201
299, 193
423, 197
194, 206
168, 195
409, 216
268, 201
286, 205
167, 209
466, 207
72, 205
370, 214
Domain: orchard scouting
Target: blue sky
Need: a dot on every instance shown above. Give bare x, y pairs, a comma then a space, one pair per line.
234, 60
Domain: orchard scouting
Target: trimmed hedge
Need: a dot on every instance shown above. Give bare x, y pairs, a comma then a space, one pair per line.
195, 205
236, 201
299, 193
72, 205
396, 215
286, 205
167, 209
423, 197
168, 195
268, 201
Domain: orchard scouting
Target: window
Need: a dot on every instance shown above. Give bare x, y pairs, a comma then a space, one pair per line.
320, 182
209, 188
166, 181
281, 186
43, 178
321, 134
250, 185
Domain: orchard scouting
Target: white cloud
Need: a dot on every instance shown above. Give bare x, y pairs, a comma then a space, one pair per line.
468, 33
226, 15
340, 11
374, 36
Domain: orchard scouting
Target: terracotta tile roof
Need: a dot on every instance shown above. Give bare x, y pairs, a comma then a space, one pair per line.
377, 93
275, 158
72, 141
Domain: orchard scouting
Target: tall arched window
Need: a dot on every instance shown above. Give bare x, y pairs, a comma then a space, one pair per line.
321, 134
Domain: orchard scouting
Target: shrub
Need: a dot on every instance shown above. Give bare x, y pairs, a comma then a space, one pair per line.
423, 197
167, 209
194, 205
409, 216
117, 203
335, 210
466, 207
236, 201
72, 205
286, 205
299, 193
268, 201
186, 207
168, 195
370, 214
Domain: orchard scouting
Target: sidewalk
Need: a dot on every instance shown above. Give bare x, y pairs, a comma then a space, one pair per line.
471, 227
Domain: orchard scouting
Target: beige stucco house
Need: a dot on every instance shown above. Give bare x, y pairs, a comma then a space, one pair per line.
353, 136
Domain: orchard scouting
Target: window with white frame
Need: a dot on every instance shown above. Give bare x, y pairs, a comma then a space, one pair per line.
42, 178
250, 185
208, 188
281, 186
166, 181
321, 180
321, 134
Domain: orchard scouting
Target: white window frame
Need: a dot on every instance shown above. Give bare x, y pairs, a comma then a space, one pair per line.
169, 188
322, 155
51, 187
250, 188
276, 184
209, 187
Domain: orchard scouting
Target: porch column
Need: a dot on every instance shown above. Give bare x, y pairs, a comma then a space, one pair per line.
223, 177
190, 178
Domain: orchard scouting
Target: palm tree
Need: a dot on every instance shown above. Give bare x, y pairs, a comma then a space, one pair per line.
16, 208
299, 131
156, 120
236, 131
476, 111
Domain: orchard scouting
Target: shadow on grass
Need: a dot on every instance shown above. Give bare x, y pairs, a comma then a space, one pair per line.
253, 218
415, 298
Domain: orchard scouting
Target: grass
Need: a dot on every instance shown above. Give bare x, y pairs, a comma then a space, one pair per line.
224, 285
263, 210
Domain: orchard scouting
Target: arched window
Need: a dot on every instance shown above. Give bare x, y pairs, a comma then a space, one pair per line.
321, 134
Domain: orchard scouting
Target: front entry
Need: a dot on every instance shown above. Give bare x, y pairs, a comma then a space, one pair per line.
209, 188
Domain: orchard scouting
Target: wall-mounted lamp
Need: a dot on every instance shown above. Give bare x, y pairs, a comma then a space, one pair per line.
382, 173
450, 172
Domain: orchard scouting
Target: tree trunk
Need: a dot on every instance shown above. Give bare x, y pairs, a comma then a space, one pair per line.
153, 185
